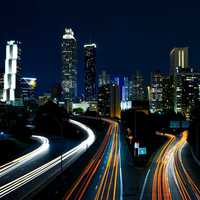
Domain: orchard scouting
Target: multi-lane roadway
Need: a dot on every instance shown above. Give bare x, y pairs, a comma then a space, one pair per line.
102, 177
31, 172
167, 178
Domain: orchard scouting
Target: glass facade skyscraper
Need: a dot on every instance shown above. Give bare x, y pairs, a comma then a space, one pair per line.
137, 87
125, 89
90, 71
69, 70
156, 97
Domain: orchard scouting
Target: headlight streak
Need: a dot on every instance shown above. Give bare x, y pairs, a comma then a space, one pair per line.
120, 171
75, 152
107, 187
171, 164
160, 184
6, 168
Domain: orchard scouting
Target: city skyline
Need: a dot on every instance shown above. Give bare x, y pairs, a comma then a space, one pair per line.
99, 100
148, 36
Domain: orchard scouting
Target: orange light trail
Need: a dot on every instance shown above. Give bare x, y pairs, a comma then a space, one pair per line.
170, 161
107, 186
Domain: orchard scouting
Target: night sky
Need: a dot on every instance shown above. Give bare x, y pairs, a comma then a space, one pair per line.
130, 35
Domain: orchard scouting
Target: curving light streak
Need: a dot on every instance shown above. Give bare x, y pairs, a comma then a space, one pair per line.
160, 181
107, 186
6, 168
169, 163
69, 157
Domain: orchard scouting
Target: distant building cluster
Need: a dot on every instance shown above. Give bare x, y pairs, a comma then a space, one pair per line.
103, 93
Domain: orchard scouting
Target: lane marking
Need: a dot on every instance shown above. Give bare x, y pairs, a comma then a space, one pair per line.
144, 185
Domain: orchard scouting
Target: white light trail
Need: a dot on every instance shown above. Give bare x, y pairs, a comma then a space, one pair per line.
6, 168
74, 153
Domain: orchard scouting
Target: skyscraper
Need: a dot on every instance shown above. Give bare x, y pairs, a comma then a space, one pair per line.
167, 94
104, 100
125, 100
156, 93
1, 83
125, 91
115, 101
12, 92
104, 78
178, 70
137, 87
187, 90
90, 71
28, 86
69, 70
178, 58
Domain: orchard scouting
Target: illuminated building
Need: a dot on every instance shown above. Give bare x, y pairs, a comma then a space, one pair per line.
28, 86
43, 99
69, 70
187, 87
83, 105
178, 58
156, 93
93, 106
12, 92
90, 71
130, 90
104, 79
115, 101
125, 89
1, 83
167, 94
104, 100
137, 87
125, 103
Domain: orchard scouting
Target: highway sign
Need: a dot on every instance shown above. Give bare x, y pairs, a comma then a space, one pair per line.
142, 151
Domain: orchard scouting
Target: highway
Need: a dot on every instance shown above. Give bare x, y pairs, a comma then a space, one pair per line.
33, 171
167, 178
44, 145
102, 177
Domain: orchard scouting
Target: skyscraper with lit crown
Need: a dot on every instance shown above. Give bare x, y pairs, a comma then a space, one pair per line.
178, 58
69, 70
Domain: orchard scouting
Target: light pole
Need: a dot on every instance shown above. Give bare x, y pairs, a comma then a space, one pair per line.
135, 129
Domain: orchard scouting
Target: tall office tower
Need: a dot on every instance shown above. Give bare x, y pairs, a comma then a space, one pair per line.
1, 83
130, 90
178, 61
187, 90
104, 100
28, 86
90, 71
156, 98
115, 101
138, 91
104, 78
125, 89
69, 70
178, 58
167, 97
12, 92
